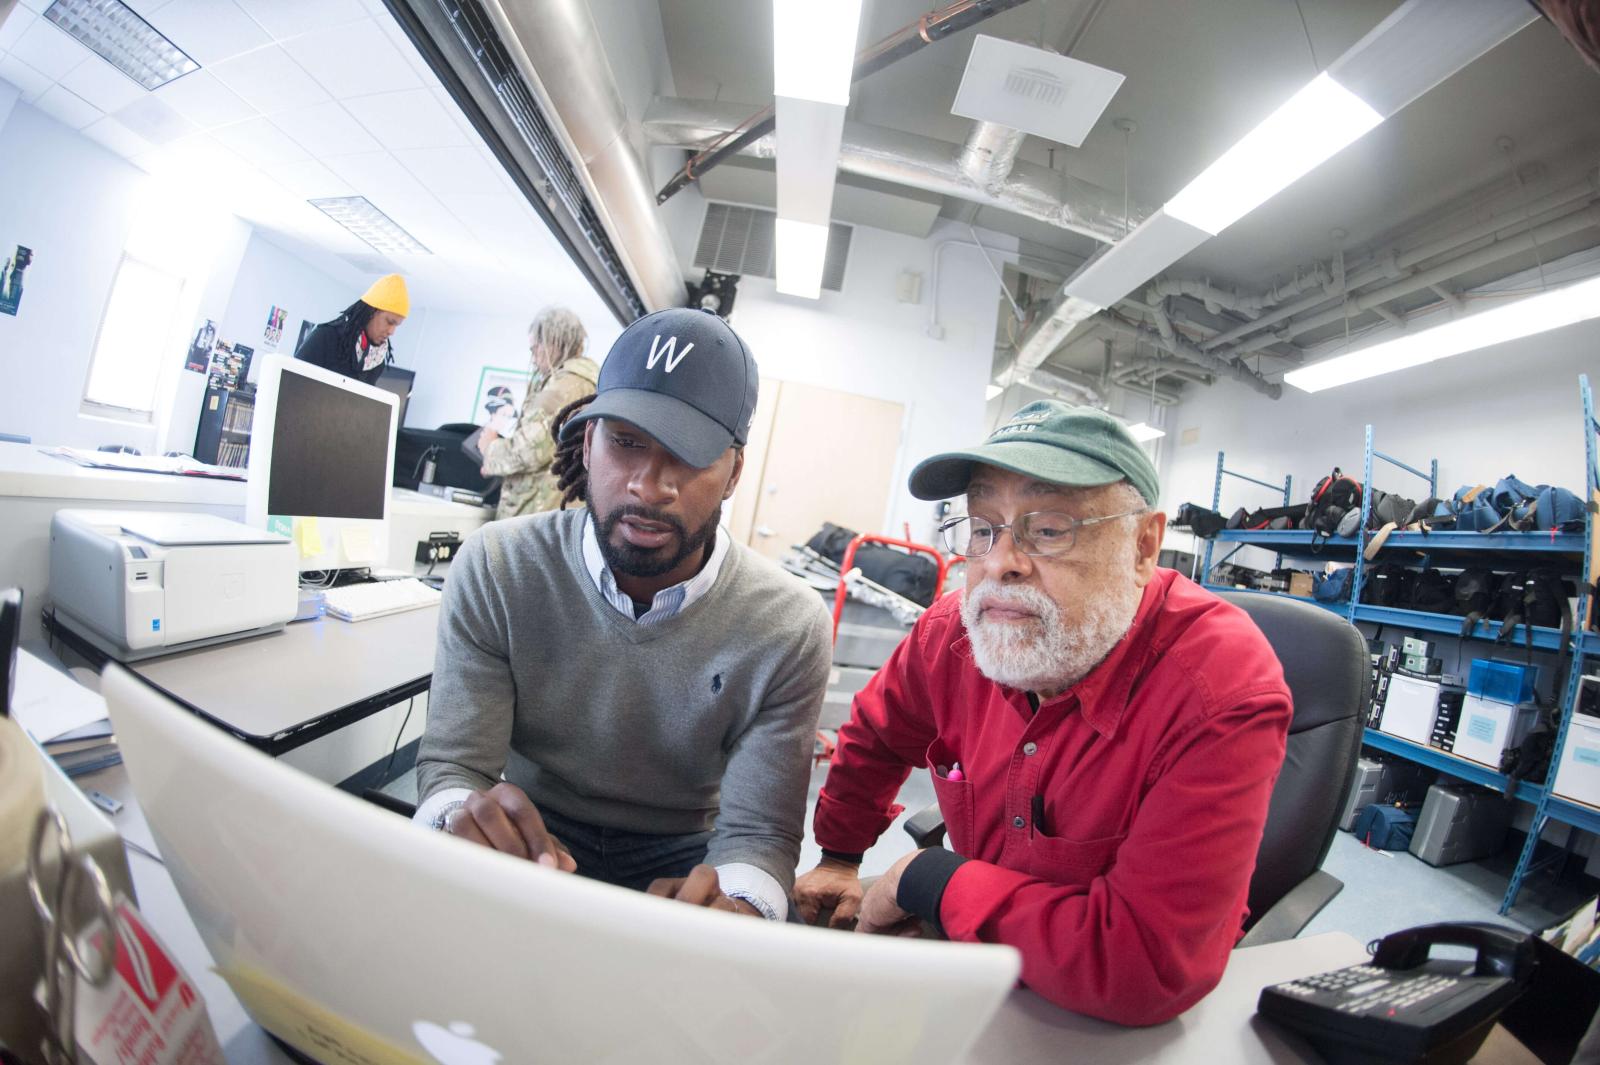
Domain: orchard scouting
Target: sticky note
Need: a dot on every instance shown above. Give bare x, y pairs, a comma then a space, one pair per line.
357, 544
281, 524
308, 537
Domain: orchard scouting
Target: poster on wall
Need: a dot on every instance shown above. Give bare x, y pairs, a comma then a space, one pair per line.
273, 335
199, 356
305, 331
230, 365
11, 280
499, 398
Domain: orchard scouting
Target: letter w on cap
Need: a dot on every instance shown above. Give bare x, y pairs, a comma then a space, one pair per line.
669, 349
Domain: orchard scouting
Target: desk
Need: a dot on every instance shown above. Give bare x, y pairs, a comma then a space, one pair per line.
1027, 1030
282, 690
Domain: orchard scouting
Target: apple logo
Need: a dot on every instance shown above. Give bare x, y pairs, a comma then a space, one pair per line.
454, 1045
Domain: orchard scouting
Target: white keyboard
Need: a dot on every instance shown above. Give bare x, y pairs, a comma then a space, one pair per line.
362, 602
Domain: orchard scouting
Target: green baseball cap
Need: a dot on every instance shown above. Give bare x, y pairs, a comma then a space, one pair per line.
1051, 441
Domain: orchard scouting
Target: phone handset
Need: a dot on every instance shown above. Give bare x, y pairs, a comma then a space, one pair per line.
1501, 951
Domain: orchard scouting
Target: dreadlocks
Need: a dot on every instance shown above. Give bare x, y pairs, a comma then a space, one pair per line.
567, 465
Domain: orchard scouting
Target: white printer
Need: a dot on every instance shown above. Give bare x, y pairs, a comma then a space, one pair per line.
143, 583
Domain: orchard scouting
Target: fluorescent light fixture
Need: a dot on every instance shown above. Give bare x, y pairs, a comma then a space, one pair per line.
114, 32
1511, 321
802, 247
1130, 263
1314, 124
807, 140
359, 216
814, 49
993, 391
1144, 432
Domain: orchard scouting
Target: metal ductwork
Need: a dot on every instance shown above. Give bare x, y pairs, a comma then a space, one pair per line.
989, 154
1188, 352
557, 46
1027, 189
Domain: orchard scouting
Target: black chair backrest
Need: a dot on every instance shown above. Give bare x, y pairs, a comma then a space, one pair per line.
1329, 675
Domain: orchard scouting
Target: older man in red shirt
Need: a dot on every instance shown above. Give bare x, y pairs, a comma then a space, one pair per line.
1103, 735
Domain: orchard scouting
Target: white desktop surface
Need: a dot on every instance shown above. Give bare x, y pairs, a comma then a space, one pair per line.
27, 471
1027, 1030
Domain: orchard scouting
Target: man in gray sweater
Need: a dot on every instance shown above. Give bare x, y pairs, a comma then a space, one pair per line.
623, 690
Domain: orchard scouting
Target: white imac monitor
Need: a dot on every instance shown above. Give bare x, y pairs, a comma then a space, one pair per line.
321, 452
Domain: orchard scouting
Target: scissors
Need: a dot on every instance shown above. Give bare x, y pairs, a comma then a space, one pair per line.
58, 890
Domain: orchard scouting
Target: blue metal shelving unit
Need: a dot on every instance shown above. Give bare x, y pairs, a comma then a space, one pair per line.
1497, 550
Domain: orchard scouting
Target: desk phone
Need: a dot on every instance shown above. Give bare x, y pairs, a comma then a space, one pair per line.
1404, 1007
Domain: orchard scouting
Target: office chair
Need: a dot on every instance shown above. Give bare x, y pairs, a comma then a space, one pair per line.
1326, 666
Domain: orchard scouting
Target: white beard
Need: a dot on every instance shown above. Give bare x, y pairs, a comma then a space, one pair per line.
1049, 654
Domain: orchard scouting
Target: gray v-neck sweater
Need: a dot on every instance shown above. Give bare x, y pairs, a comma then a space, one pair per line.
704, 719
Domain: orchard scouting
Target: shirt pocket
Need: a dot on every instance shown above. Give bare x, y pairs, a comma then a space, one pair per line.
1070, 861
955, 800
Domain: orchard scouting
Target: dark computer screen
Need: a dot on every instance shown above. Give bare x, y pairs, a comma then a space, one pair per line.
398, 381
330, 451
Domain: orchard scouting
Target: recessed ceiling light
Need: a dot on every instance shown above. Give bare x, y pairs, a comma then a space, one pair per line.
359, 216
116, 33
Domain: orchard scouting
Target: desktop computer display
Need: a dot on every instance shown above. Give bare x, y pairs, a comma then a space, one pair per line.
400, 382
320, 462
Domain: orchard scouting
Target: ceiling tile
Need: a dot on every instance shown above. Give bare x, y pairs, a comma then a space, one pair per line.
260, 142
103, 85
37, 5
325, 129
353, 60
445, 171
309, 179
67, 107
378, 176
204, 100
208, 30
403, 45
289, 18
24, 77
14, 25
48, 49
269, 80
119, 138
412, 119
153, 120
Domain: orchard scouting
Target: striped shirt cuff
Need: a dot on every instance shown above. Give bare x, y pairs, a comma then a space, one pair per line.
431, 814
741, 880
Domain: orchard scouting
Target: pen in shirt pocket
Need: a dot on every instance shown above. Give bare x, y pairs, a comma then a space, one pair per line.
1038, 816
952, 773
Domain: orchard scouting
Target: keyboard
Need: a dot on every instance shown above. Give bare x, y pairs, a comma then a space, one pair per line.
376, 599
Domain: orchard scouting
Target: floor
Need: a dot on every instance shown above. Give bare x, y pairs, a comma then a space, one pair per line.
1384, 890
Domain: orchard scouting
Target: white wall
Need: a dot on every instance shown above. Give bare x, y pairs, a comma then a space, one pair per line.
863, 340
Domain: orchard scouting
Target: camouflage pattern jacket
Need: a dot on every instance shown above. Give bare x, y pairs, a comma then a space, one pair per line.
523, 458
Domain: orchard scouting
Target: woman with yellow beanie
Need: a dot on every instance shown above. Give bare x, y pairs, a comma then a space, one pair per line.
356, 343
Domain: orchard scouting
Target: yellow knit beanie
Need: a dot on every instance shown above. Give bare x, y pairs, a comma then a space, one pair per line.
388, 294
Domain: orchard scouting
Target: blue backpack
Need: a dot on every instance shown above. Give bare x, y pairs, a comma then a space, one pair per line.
1385, 828
1334, 587
1525, 508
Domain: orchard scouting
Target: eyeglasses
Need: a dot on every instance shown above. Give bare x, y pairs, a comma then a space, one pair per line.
1041, 533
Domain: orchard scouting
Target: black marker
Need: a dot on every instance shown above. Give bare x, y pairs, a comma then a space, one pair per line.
1038, 815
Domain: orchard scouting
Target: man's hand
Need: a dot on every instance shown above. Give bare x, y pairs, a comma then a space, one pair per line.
505, 819
700, 888
832, 885
880, 913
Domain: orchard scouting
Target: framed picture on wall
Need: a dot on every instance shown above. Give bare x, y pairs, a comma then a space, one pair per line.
305, 331
199, 356
498, 401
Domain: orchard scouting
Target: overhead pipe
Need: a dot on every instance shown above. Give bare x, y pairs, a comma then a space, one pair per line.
557, 46
988, 155
1183, 349
1029, 190
912, 37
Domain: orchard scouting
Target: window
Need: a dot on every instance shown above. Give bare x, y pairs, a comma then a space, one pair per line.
135, 339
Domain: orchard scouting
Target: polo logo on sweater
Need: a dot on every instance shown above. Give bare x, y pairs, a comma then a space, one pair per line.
669, 349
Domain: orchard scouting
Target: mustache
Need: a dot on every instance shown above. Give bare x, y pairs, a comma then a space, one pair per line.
1015, 598
644, 513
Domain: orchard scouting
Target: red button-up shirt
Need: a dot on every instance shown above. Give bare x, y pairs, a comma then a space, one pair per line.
1155, 772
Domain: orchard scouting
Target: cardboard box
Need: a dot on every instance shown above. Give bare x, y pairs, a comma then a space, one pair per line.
1410, 709
1300, 584
1487, 728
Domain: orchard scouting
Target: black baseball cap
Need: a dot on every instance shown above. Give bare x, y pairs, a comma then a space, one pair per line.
683, 376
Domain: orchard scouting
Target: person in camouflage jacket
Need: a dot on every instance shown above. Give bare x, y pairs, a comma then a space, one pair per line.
562, 375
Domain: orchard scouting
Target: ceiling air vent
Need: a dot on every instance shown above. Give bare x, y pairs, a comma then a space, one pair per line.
739, 240
1039, 92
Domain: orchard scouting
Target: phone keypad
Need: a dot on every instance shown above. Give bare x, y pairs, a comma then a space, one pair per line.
1366, 988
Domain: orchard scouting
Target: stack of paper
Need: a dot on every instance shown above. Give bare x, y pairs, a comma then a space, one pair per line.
68, 720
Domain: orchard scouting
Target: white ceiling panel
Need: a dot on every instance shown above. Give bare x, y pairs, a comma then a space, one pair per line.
379, 177
153, 120
446, 171
119, 138
67, 107
49, 49
325, 129
309, 179
204, 100
269, 80
260, 142
209, 31
103, 85
353, 60
289, 18
14, 25
404, 46
412, 119
24, 77
36, 5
